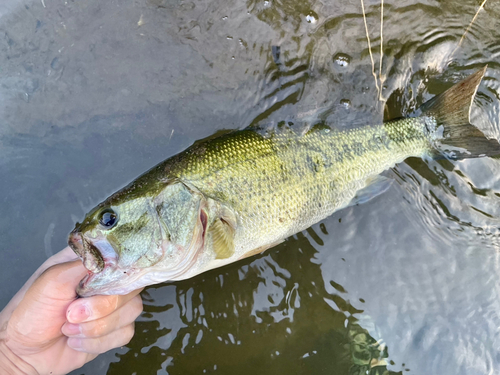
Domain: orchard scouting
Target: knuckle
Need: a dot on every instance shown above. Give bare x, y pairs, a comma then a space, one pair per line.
101, 345
48, 277
99, 328
129, 333
119, 338
109, 304
94, 345
137, 307
96, 328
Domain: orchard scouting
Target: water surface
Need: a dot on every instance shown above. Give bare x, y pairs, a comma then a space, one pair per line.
94, 93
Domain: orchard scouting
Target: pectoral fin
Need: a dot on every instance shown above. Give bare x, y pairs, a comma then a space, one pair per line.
222, 234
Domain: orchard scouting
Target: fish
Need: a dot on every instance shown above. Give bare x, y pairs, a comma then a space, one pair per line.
237, 194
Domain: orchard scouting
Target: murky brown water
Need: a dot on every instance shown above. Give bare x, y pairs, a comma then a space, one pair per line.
94, 93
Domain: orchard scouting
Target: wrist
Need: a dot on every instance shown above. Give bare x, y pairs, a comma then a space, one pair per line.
11, 364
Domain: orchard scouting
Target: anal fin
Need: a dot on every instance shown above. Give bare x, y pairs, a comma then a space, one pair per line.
374, 187
259, 250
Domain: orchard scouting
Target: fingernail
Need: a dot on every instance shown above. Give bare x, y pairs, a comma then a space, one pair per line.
79, 314
70, 329
75, 343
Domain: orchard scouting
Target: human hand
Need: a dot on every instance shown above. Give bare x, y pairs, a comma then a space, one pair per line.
46, 329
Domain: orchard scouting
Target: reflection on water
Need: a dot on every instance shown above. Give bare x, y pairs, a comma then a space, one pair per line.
254, 318
94, 93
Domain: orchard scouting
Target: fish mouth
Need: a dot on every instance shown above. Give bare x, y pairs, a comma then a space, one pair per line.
87, 251
101, 260
116, 279
105, 275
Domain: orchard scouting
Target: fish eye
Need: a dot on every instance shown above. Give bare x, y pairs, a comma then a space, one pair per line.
108, 218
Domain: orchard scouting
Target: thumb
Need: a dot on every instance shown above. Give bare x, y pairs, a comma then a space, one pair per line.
38, 318
57, 283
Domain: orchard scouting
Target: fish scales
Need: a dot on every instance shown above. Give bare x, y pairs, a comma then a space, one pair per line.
284, 183
234, 195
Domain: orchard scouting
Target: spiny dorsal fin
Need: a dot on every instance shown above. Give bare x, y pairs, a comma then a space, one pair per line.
222, 238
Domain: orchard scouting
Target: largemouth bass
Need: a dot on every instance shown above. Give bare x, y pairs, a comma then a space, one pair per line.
238, 194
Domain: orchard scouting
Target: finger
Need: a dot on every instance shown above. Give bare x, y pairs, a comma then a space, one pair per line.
104, 326
96, 307
63, 268
41, 312
99, 345
59, 281
62, 256
65, 255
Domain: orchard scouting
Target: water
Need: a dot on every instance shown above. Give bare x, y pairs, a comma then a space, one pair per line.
94, 93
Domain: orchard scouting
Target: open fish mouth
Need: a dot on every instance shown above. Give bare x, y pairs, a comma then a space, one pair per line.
100, 259
87, 251
113, 278
104, 276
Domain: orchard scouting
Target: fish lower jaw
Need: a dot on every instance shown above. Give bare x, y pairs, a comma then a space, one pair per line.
113, 279
105, 282
82, 289
120, 281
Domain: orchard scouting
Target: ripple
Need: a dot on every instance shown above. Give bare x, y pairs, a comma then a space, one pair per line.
408, 280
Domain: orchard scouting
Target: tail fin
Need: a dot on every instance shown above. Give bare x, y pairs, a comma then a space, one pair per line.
451, 110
